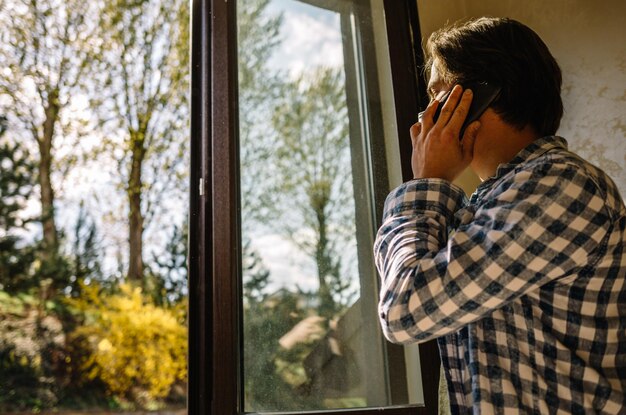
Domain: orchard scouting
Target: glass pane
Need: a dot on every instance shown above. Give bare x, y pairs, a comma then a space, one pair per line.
308, 105
93, 206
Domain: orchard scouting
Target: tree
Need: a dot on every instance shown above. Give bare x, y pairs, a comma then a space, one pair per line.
85, 250
16, 181
144, 103
46, 50
315, 205
256, 277
170, 278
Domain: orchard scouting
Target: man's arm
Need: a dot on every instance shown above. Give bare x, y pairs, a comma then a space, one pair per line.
540, 226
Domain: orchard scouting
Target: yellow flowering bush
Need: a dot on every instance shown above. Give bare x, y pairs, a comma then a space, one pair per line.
137, 349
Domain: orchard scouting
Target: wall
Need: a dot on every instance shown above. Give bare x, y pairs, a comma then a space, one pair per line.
588, 39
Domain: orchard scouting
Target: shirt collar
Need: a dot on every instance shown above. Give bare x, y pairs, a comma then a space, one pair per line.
532, 151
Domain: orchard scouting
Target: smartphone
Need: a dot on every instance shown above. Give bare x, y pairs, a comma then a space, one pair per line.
484, 95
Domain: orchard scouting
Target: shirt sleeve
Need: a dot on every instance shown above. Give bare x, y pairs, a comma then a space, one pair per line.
444, 263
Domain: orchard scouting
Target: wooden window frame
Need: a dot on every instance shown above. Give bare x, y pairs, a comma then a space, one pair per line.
215, 343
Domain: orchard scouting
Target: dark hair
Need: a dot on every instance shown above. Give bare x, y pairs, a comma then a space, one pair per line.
507, 53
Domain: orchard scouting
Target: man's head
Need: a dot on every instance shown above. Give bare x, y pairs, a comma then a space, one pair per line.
507, 53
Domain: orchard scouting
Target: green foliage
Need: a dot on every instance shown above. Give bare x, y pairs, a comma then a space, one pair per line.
85, 249
168, 280
15, 263
20, 387
31, 354
62, 272
255, 276
52, 274
269, 381
263, 326
16, 182
275, 378
138, 350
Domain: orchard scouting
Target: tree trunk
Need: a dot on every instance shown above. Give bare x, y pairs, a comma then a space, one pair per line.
135, 217
50, 240
327, 305
319, 200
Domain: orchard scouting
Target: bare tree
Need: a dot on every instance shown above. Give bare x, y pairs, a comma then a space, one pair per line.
144, 78
46, 49
313, 198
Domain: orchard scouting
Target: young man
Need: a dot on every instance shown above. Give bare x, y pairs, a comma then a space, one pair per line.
524, 284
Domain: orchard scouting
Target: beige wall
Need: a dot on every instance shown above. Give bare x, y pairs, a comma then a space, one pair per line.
588, 39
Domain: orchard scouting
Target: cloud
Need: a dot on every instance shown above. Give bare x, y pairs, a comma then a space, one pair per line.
309, 41
289, 267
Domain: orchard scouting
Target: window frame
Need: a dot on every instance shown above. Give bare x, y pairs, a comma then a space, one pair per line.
215, 343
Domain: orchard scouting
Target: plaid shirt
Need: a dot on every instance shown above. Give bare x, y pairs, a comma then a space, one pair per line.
524, 284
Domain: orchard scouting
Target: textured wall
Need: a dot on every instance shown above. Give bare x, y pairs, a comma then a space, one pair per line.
588, 39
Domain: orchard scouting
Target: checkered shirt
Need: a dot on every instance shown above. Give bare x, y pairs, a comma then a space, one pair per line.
524, 284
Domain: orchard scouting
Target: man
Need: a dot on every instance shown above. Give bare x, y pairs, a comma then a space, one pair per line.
524, 284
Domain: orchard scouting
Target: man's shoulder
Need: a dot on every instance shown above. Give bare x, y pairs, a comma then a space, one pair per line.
561, 162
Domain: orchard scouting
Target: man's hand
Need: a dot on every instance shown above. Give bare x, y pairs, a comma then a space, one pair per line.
437, 150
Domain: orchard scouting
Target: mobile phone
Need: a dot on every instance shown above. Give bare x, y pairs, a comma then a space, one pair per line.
484, 95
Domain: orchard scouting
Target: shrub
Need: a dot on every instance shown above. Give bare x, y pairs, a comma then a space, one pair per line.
31, 354
138, 350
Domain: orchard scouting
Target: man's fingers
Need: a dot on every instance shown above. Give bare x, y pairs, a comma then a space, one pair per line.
459, 115
449, 106
427, 119
415, 131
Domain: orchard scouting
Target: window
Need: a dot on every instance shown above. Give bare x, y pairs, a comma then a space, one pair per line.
292, 157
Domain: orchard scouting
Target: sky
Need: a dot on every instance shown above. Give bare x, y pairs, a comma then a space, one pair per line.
311, 37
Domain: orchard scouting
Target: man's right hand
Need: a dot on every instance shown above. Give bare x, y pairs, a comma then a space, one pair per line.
437, 150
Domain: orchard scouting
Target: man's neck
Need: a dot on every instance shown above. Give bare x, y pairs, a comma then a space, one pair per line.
499, 144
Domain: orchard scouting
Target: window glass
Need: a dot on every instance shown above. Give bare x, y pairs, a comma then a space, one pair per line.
309, 110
